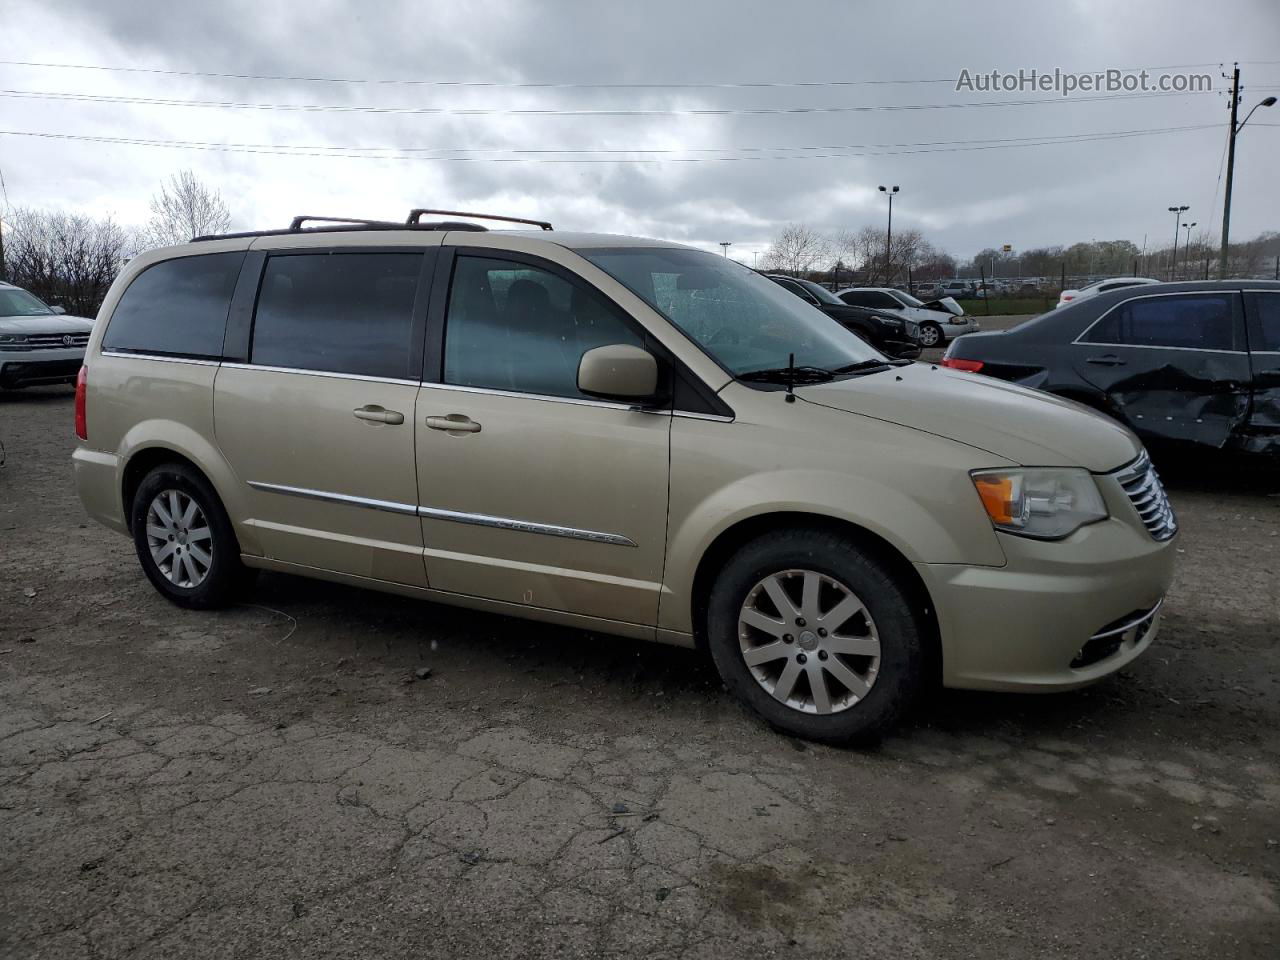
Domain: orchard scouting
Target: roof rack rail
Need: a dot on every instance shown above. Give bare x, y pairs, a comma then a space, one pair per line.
296, 225
416, 214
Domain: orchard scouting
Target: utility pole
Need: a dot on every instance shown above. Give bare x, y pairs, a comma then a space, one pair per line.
1177, 222
3, 274
888, 237
1231, 169
1231, 162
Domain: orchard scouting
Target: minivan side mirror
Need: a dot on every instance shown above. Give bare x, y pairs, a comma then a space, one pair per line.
618, 371
56, 308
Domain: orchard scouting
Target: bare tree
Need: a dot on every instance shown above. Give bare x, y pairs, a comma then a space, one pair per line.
797, 250
185, 208
63, 258
865, 249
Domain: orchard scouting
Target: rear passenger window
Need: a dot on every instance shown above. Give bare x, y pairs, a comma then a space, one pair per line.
1268, 306
520, 328
1192, 322
176, 308
338, 312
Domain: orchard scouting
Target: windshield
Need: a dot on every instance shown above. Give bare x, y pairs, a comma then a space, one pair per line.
821, 293
744, 321
19, 303
906, 298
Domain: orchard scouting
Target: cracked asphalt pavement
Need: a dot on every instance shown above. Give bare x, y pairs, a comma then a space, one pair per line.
274, 780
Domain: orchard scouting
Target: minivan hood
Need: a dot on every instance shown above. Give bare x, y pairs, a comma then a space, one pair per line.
1022, 425
46, 323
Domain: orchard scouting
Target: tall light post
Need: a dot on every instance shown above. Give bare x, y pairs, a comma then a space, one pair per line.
1231, 164
725, 245
1177, 222
1186, 247
888, 237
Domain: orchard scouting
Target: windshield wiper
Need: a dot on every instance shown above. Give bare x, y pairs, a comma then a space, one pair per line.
863, 366
788, 375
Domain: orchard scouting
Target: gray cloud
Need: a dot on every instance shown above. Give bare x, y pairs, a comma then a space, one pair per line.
963, 200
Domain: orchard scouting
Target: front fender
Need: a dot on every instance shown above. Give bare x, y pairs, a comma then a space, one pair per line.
916, 497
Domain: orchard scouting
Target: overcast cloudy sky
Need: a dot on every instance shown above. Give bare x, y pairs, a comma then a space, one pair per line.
964, 189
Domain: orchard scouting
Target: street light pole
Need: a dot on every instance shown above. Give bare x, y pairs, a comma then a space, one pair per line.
1231, 164
888, 237
726, 244
1177, 222
1186, 247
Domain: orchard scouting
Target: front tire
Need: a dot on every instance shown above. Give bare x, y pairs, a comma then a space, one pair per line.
816, 637
931, 335
184, 539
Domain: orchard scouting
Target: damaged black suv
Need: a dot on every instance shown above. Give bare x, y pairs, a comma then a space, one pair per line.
1185, 364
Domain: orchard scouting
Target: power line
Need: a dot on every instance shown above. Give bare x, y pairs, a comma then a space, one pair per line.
527, 85
532, 112
348, 154
1045, 138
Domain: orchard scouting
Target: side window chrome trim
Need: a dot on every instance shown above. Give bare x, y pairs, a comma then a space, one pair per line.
334, 374
1148, 346
126, 355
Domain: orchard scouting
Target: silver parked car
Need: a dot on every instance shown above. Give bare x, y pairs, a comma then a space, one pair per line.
38, 343
939, 320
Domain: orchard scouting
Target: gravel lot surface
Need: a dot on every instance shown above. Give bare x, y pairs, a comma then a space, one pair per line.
274, 780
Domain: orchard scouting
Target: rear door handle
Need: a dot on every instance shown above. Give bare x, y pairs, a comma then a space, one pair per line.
454, 423
376, 414
1110, 360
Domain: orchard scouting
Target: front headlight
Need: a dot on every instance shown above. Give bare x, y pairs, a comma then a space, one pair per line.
1044, 503
892, 323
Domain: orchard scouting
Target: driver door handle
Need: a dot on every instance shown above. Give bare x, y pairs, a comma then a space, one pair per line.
1109, 360
376, 414
454, 423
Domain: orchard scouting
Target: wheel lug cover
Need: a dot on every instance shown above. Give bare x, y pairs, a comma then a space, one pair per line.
822, 654
801, 658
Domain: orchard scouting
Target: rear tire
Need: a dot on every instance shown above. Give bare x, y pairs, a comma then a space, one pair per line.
849, 627
184, 539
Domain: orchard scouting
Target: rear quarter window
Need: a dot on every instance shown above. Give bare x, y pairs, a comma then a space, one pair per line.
176, 307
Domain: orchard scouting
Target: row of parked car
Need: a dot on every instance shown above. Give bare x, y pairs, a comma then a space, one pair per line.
891, 320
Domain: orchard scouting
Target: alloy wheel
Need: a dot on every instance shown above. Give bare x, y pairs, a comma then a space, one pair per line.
179, 537
809, 641
929, 336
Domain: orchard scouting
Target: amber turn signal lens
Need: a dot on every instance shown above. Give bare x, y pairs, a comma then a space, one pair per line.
996, 492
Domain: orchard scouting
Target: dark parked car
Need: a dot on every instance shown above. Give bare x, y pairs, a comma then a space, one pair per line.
892, 336
1184, 363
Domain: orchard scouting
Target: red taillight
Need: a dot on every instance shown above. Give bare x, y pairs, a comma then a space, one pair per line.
82, 384
955, 363
1068, 296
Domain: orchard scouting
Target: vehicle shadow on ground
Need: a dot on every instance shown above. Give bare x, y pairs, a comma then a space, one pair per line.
40, 395
400, 632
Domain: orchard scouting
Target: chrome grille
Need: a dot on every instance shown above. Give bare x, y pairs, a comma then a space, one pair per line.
45, 341
1141, 482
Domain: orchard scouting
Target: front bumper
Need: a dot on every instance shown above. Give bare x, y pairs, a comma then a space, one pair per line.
967, 324
36, 367
1058, 615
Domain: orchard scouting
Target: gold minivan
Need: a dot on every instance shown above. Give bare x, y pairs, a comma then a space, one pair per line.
624, 435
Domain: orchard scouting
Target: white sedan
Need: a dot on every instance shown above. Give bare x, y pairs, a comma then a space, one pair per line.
939, 320
1100, 286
